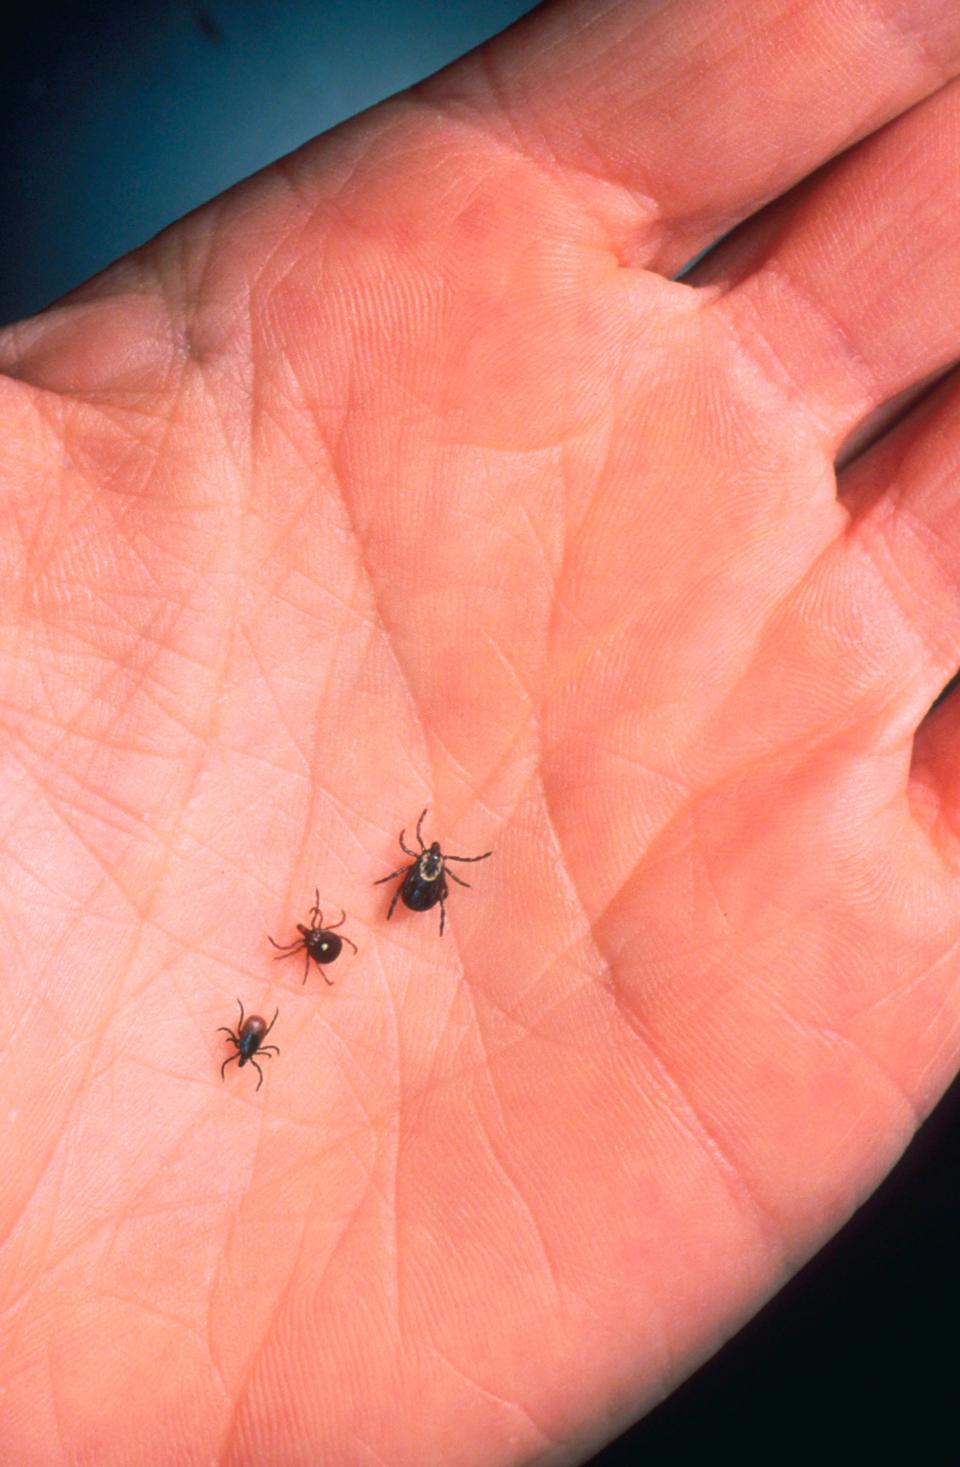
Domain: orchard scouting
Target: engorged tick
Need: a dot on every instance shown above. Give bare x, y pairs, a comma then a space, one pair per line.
424, 881
248, 1039
321, 943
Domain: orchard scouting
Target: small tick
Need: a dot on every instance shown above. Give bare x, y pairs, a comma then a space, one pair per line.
318, 942
424, 881
248, 1039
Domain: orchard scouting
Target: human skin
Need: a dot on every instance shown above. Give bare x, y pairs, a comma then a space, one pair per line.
404, 475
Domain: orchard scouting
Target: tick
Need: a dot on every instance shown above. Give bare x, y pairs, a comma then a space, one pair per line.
248, 1039
424, 881
323, 944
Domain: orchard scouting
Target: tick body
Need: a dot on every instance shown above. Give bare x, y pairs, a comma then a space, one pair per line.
323, 944
248, 1040
424, 883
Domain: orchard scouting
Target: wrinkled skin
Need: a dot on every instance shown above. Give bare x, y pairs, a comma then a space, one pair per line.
405, 475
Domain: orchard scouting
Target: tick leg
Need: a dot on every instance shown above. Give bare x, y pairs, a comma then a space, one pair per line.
446, 857
286, 948
443, 914
224, 1065
343, 917
271, 1024
268, 1049
405, 847
458, 879
396, 898
258, 1070
419, 823
289, 953
400, 871
306, 962
241, 1014
315, 914
224, 1030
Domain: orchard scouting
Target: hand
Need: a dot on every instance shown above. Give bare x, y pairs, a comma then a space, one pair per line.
405, 476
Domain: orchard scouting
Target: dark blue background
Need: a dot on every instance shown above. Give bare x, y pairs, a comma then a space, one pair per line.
115, 120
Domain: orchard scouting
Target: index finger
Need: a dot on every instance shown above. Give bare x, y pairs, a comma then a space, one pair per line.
677, 120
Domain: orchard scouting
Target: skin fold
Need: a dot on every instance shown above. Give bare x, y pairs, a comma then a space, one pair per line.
407, 474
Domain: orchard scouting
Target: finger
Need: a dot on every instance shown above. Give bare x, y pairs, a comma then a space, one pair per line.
935, 777
695, 113
848, 293
904, 545
858, 651
861, 648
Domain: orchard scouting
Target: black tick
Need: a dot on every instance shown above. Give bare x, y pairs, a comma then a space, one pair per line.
249, 1039
318, 942
424, 881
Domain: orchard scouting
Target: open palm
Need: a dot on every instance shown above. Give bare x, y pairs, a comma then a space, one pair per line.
405, 476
